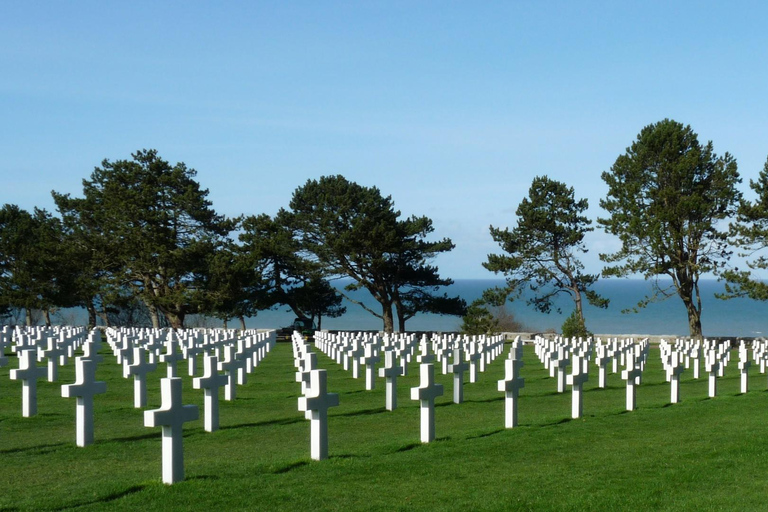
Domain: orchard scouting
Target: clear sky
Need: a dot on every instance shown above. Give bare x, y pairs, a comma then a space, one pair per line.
449, 107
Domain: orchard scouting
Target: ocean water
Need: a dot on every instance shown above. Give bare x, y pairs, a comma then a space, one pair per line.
734, 317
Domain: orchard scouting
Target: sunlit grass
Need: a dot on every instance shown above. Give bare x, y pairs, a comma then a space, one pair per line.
701, 454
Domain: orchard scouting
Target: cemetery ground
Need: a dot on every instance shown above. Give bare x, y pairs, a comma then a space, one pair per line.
701, 454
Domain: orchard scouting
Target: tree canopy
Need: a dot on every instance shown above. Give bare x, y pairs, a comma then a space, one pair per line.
159, 228
749, 232
36, 270
354, 231
666, 197
542, 251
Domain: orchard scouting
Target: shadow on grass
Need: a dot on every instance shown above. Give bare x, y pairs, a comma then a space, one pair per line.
280, 421
555, 423
106, 499
289, 467
487, 434
151, 435
363, 412
486, 401
42, 448
407, 448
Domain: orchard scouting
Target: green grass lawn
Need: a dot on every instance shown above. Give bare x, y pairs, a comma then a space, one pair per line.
701, 454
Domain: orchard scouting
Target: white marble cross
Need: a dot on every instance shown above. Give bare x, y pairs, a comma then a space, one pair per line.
602, 361
315, 406
457, 368
171, 416
52, 353
426, 394
744, 364
674, 371
560, 365
139, 368
576, 380
712, 366
390, 372
171, 356
511, 386
91, 351
307, 364
630, 375
84, 388
28, 373
211, 381
229, 366
369, 360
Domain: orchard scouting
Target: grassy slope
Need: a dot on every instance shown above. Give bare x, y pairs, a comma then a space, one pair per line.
701, 454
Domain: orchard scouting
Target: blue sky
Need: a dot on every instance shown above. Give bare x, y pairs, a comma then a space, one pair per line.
449, 107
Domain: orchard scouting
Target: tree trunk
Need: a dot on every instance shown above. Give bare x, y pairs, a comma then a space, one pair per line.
28, 316
319, 322
689, 292
104, 317
579, 304
47, 316
91, 314
224, 324
242, 322
400, 315
154, 315
176, 320
389, 321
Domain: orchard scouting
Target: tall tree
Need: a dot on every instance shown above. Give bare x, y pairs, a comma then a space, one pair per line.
543, 250
35, 270
354, 231
288, 276
419, 282
232, 284
749, 233
160, 228
666, 196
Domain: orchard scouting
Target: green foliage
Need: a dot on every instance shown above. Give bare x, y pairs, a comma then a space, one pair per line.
542, 251
376, 460
479, 320
574, 327
36, 267
666, 196
153, 228
749, 233
288, 276
354, 231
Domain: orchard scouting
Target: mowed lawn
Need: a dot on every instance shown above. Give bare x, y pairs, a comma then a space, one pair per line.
701, 454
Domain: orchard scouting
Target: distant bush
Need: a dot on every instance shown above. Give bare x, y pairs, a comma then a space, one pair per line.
482, 318
574, 327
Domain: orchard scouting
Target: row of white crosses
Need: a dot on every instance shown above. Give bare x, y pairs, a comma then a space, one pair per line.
130, 347
316, 400
242, 353
455, 354
716, 357
558, 353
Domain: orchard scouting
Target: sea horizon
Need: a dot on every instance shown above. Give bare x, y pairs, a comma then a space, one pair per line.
738, 317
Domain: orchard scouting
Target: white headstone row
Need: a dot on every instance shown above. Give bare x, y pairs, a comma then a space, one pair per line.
139, 352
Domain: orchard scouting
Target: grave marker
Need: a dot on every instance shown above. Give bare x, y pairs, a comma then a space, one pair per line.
511, 386
210, 382
84, 388
426, 394
390, 372
315, 406
28, 373
171, 416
